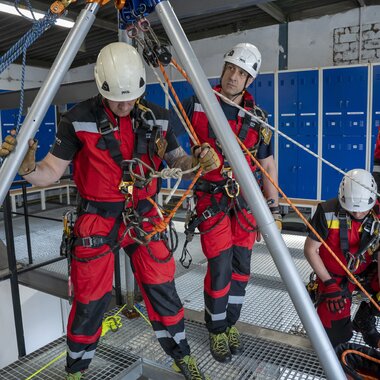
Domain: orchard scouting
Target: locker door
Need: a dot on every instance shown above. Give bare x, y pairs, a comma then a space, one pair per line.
375, 108
264, 94
288, 103
355, 90
347, 152
332, 152
154, 93
332, 102
307, 168
308, 102
183, 90
288, 167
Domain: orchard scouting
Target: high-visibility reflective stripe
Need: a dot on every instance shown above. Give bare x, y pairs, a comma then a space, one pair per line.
161, 122
237, 300
85, 126
198, 107
330, 216
84, 355
165, 334
217, 317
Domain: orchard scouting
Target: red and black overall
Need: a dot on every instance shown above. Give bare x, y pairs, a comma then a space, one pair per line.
346, 237
85, 140
227, 227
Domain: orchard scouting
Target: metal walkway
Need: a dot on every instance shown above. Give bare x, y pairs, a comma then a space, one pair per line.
269, 323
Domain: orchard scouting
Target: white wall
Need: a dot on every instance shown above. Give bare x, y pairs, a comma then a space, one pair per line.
43, 319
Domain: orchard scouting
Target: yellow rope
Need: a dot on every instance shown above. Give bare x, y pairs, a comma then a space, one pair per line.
47, 365
145, 318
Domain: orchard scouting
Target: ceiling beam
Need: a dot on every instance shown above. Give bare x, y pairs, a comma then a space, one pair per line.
99, 23
361, 3
273, 11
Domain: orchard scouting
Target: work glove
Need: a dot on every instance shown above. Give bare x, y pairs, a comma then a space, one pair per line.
28, 165
332, 294
8, 145
206, 156
275, 210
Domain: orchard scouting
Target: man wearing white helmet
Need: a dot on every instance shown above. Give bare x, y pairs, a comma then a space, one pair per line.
228, 228
349, 225
117, 209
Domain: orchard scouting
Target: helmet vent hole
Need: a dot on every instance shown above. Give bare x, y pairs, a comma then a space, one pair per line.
142, 82
105, 86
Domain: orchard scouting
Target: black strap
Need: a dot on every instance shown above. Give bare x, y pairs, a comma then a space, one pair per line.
96, 241
104, 209
210, 187
343, 232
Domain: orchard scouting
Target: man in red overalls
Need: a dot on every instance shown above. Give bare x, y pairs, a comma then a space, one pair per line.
228, 228
97, 135
349, 224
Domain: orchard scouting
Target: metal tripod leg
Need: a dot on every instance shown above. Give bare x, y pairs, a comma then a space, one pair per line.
252, 192
46, 94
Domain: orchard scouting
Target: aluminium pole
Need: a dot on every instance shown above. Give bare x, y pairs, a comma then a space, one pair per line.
46, 94
252, 192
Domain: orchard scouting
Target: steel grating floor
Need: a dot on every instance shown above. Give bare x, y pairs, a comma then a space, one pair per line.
118, 354
267, 305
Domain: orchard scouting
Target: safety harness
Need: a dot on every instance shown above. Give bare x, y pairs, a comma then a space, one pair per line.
369, 238
369, 242
229, 187
149, 139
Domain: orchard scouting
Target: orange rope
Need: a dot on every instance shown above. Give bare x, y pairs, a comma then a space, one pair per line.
179, 104
161, 226
363, 355
352, 277
180, 69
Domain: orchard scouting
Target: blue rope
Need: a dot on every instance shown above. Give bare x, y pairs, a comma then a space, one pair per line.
38, 28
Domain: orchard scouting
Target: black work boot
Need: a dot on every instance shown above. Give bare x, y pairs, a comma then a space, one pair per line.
365, 323
234, 340
189, 368
219, 347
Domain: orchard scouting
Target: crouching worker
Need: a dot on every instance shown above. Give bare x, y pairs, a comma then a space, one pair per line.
349, 225
97, 135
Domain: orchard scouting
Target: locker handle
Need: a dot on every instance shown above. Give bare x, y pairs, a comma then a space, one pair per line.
294, 168
347, 103
340, 103
299, 105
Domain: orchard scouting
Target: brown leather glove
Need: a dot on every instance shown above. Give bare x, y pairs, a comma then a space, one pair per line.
28, 165
206, 156
8, 145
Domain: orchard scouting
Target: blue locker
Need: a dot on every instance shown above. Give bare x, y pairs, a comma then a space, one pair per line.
375, 109
155, 94
45, 134
262, 90
297, 168
288, 167
345, 98
307, 168
288, 102
345, 152
298, 102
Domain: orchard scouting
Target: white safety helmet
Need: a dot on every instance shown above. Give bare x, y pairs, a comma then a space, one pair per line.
120, 72
246, 56
354, 197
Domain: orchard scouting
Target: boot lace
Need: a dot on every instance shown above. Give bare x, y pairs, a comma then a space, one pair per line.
234, 337
193, 369
220, 344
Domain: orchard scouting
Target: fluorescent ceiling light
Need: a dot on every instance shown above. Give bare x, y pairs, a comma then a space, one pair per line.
10, 9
